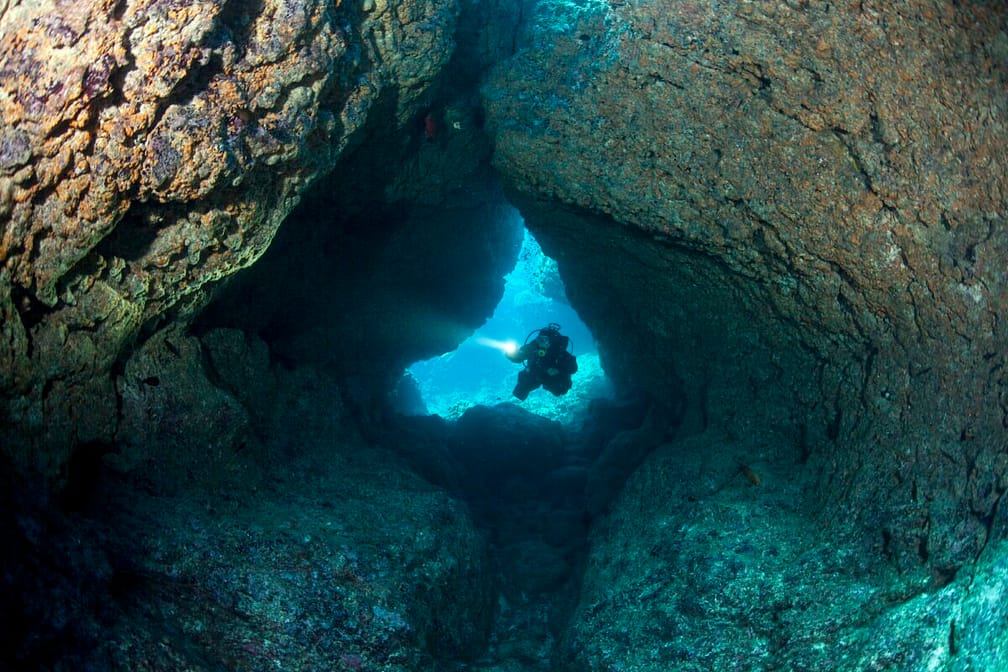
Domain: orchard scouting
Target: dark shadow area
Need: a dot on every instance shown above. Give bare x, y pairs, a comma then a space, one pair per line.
536, 490
365, 296
133, 237
54, 580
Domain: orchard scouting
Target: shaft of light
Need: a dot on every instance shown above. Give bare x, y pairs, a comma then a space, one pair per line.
507, 347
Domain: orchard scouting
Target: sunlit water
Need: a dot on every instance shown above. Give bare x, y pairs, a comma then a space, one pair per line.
477, 372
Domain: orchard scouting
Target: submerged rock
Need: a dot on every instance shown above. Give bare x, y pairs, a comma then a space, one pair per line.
311, 551
752, 206
150, 151
756, 209
701, 566
364, 563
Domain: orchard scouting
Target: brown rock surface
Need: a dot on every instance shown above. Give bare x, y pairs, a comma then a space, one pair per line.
151, 147
814, 197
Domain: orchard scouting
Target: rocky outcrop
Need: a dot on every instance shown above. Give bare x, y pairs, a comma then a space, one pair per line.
243, 521
150, 148
523, 480
367, 567
707, 562
390, 576
758, 206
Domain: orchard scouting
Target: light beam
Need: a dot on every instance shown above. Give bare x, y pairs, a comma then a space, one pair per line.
507, 347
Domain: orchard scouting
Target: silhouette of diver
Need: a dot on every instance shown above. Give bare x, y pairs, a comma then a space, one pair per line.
547, 362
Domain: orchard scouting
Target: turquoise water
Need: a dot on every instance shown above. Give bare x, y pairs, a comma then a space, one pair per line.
477, 372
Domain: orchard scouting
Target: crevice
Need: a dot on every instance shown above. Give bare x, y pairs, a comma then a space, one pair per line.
235, 23
849, 309
30, 310
887, 550
869, 366
83, 475
117, 84
877, 135
516, 30
753, 73
194, 82
656, 77
131, 238
118, 10
922, 545
804, 446
842, 137
988, 523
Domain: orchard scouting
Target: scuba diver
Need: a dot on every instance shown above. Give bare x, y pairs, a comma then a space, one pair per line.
547, 362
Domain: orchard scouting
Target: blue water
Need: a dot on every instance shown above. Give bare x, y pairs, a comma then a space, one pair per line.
477, 372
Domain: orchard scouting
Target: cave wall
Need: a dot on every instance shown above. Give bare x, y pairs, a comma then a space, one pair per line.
754, 207
399, 253
152, 148
825, 182
825, 236
677, 324
366, 295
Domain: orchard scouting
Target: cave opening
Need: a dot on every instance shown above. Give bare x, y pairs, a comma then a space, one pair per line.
372, 295
476, 372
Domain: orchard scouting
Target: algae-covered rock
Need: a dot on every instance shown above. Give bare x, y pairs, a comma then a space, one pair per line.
360, 570
150, 149
175, 422
758, 194
705, 562
355, 565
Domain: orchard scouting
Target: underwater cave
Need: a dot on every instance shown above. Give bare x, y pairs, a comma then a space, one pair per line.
265, 265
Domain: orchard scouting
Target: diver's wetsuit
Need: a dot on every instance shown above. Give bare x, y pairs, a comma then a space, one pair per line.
540, 361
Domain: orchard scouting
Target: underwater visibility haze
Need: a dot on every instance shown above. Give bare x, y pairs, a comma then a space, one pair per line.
478, 373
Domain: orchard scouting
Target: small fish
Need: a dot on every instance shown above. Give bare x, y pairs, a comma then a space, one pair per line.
751, 475
430, 127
